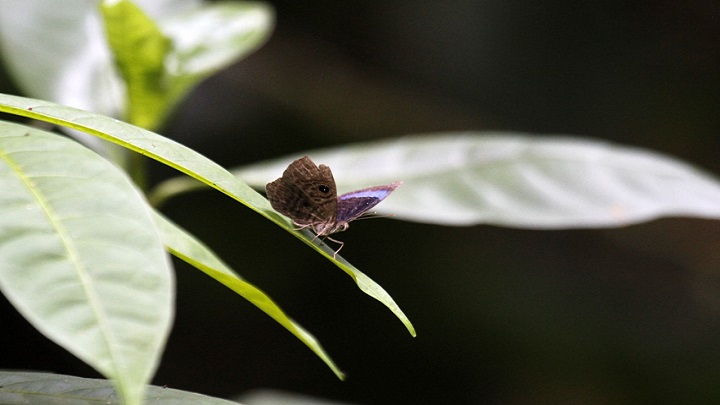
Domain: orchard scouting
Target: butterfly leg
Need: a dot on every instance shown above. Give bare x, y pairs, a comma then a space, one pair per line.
300, 227
324, 238
341, 243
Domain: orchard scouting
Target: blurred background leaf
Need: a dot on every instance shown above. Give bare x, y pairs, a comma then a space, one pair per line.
60, 53
57, 389
515, 180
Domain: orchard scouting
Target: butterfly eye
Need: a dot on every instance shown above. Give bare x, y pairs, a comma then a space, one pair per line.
323, 188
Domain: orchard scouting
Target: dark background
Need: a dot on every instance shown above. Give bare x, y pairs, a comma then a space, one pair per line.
504, 316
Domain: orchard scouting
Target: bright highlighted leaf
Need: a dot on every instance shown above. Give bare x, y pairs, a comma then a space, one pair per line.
80, 256
139, 50
59, 51
162, 59
191, 163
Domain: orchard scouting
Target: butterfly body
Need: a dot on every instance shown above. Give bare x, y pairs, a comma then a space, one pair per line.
306, 193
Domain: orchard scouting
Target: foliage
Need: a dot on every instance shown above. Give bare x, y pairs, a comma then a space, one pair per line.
83, 254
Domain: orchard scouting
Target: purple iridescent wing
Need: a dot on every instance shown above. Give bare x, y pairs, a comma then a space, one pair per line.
354, 204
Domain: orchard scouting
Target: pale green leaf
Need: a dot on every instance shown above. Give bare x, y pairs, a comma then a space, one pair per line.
192, 251
20, 388
365, 283
80, 257
61, 53
162, 60
57, 50
189, 162
515, 180
209, 38
139, 50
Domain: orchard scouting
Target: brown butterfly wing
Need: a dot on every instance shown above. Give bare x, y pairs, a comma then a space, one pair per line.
305, 193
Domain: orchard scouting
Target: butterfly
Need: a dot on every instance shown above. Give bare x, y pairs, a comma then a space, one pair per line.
306, 193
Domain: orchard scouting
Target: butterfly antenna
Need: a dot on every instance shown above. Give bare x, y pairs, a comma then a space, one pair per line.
373, 215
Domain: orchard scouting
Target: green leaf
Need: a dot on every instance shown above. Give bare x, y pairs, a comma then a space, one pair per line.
515, 180
192, 251
140, 50
60, 53
191, 163
80, 257
161, 61
209, 38
19, 388
365, 283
